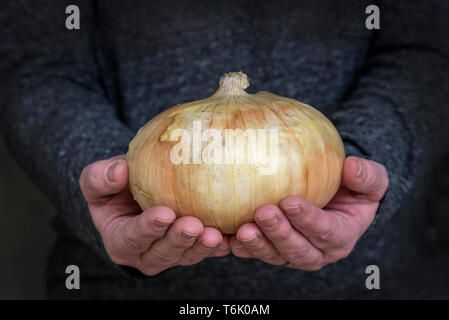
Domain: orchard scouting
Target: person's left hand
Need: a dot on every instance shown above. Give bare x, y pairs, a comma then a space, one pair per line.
306, 237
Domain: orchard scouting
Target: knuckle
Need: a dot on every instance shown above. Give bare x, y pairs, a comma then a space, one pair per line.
145, 226
203, 250
327, 234
131, 243
297, 254
162, 257
266, 252
281, 236
224, 249
180, 241
198, 251
181, 244
254, 245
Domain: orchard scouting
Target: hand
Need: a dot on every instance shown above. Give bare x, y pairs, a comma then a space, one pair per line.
306, 237
151, 241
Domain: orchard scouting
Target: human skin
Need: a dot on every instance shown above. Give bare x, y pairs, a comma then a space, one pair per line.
305, 237
295, 233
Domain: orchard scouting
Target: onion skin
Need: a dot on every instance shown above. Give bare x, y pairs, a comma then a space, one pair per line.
309, 159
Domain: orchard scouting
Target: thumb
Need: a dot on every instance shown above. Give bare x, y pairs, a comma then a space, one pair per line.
102, 179
366, 177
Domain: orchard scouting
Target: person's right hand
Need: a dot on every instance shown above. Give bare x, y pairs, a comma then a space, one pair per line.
150, 241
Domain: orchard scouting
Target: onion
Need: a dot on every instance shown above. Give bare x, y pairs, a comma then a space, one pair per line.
221, 158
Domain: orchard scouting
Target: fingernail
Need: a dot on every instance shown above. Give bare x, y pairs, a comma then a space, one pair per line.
162, 223
293, 211
361, 169
207, 244
254, 236
110, 173
269, 222
188, 235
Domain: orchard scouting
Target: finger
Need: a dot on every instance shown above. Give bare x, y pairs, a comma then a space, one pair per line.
102, 179
223, 248
238, 249
133, 235
292, 246
203, 247
258, 245
168, 250
325, 230
366, 177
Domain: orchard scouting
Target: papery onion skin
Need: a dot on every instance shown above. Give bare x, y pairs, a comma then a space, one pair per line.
225, 196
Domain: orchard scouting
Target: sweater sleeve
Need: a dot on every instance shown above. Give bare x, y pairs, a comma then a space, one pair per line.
398, 113
54, 111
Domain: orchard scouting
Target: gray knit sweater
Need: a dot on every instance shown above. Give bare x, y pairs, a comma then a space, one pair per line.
71, 97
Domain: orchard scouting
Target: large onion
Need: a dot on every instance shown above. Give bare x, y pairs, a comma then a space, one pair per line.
222, 180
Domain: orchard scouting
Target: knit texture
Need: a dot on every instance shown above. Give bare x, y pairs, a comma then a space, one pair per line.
72, 97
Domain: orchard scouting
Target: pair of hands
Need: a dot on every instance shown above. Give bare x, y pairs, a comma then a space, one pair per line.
295, 233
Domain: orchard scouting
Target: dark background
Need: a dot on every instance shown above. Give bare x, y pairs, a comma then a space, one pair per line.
26, 236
